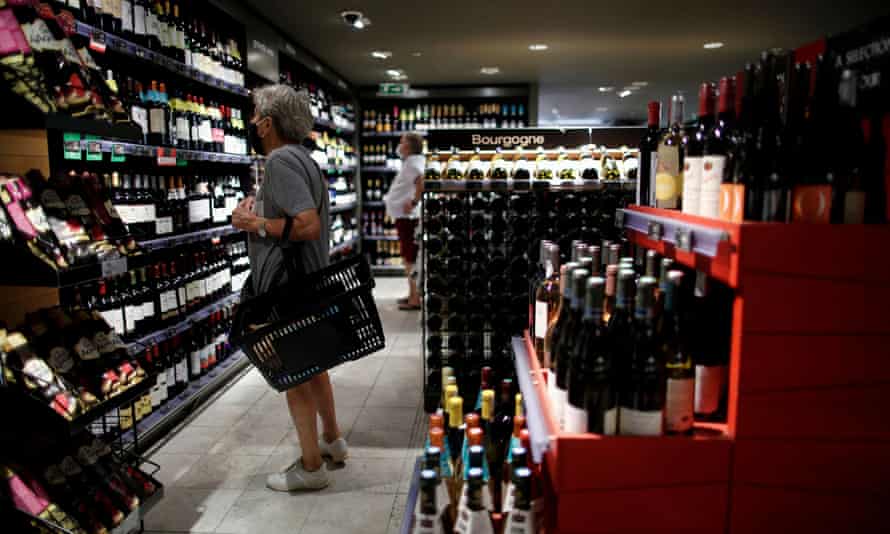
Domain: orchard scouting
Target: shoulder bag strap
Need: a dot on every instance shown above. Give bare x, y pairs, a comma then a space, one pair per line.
292, 261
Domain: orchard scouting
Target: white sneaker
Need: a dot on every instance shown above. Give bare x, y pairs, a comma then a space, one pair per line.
296, 478
337, 449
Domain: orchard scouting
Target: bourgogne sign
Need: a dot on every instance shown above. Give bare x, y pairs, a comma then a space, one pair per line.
527, 138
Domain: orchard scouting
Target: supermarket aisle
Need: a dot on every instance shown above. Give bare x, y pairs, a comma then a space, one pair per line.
214, 469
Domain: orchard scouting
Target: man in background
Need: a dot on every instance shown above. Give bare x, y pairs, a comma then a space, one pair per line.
401, 205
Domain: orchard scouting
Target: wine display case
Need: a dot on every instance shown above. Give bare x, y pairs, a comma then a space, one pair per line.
479, 252
803, 446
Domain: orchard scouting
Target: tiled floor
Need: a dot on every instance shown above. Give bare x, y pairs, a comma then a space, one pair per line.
215, 467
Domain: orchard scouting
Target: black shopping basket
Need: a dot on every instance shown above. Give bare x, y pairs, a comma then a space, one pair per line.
327, 318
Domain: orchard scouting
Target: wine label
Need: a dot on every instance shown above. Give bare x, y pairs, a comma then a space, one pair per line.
520, 522
811, 204
693, 169
708, 385
541, 317
182, 371
131, 315
86, 349
164, 225
60, 359
148, 309
610, 422
205, 131
157, 121
678, 408
115, 319
854, 207
641, 423
195, 362
171, 376
710, 190
156, 392
199, 210
126, 15
667, 177
130, 213
575, 419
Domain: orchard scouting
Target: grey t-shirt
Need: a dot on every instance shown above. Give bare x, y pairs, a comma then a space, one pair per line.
287, 189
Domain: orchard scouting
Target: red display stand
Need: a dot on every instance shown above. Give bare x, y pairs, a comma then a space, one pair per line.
806, 447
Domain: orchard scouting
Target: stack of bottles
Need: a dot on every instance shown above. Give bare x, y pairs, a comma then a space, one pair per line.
381, 155
85, 488
476, 476
65, 221
787, 142
378, 224
561, 165
424, 117
321, 104
629, 349
71, 360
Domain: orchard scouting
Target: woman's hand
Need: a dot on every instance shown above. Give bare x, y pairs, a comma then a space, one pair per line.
248, 203
243, 218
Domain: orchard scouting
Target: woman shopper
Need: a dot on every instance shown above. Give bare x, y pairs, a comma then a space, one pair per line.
294, 187
401, 203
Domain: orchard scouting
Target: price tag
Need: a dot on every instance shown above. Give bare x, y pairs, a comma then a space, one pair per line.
166, 157
94, 149
72, 146
115, 267
655, 231
97, 41
118, 153
164, 225
684, 239
141, 53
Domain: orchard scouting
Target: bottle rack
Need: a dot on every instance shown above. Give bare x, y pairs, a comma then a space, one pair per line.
487, 295
804, 444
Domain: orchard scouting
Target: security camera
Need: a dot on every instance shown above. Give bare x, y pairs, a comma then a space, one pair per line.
356, 19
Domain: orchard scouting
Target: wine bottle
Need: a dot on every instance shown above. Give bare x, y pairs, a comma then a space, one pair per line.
592, 378
642, 400
693, 151
428, 518
454, 169
547, 297
566, 343
710, 312
521, 518
473, 518
680, 389
718, 147
668, 174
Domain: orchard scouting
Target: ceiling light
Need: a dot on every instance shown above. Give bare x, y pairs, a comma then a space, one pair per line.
630, 88
356, 19
416, 54
381, 54
625, 93
555, 111
490, 71
396, 74
639, 84
606, 89
602, 109
713, 45
537, 47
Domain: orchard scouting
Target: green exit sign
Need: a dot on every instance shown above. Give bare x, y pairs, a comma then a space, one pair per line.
393, 88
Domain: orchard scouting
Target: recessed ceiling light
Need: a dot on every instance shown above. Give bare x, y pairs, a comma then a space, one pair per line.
713, 45
416, 54
381, 54
490, 71
606, 89
639, 84
396, 74
630, 88
356, 19
537, 47
625, 93
602, 109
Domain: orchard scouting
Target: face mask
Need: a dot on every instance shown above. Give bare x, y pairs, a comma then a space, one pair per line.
256, 141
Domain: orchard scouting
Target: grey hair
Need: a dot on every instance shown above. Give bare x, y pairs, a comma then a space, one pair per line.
288, 108
415, 142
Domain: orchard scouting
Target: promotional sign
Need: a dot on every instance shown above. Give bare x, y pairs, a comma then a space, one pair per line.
491, 139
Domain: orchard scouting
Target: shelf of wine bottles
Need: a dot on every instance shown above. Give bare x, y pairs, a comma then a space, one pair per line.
179, 405
378, 169
386, 254
375, 188
479, 254
86, 487
380, 155
393, 134
760, 149
164, 155
378, 118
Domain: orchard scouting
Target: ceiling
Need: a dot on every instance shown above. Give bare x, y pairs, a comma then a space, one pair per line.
591, 43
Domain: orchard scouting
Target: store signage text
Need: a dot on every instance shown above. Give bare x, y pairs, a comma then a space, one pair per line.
508, 141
